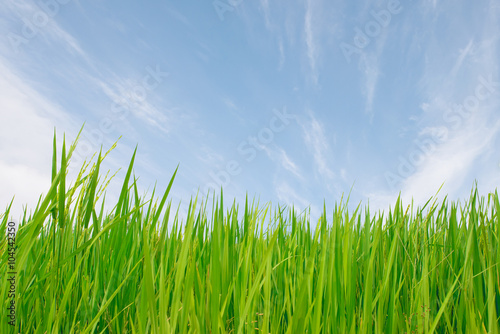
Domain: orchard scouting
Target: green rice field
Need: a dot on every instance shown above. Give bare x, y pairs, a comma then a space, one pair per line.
244, 267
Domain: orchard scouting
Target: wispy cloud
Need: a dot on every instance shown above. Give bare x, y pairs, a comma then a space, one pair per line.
229, 103
460, 60
210, 157
26, 129
29, 124
274, 29
282, 54
267, 15
48, 29
371, 72
310, 40
288, 164
317, 144
280, 156
114, 86
132, 97
370, 67
451, 162
62, 36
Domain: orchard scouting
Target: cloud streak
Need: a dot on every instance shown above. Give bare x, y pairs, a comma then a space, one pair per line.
311, 46
317, 144
28, 121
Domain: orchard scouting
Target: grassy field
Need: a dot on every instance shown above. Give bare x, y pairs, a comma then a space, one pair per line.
248, 269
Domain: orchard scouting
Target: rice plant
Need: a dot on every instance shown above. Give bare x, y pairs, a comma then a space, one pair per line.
249, 269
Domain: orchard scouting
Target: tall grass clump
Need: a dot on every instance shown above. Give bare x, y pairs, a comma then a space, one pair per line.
254, 269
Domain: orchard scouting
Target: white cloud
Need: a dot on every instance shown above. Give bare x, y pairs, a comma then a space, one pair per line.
448, 164
265, 8
288, 164
459, 156
370, 66
317, 144
115, 87
280, 156
129, 94
343, 174
371, 73
310, 39
282, 54
229, 103
460, 60
209, 156
25, 13
451, 162
26, 130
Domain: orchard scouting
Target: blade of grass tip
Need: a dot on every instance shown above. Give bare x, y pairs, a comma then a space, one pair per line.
91, 194
151, 207
54, 175
124, 190
113, 146
62, 187
60, 206
137, 199
75, 143
497, 206
164, 199
98, 221
29, 231
54, 168
215, 271
5, 218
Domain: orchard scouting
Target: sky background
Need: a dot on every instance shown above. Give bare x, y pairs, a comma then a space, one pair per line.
294, 102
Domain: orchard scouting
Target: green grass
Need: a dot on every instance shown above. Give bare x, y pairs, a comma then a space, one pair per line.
254, 269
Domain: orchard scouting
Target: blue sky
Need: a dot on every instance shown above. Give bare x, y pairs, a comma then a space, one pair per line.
293, 102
